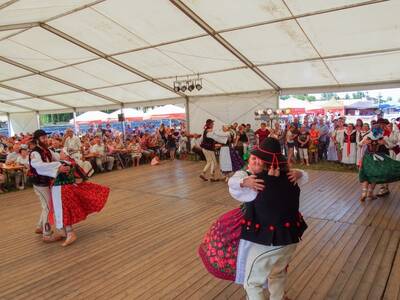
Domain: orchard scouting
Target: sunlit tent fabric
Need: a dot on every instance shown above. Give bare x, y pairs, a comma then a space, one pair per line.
130, 114
333, 106
167, 112
91, 116
362, 105
314, 108
58, 56
293, 106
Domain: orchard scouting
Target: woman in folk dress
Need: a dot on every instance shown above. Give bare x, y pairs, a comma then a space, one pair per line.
349, 151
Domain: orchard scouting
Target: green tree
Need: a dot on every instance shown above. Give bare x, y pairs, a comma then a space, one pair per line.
311, 98
328, 96
55, 118
358, 95
300, 97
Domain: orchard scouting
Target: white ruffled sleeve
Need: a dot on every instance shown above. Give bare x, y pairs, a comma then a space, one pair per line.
242, 194
55, 156
303, 179
44, 168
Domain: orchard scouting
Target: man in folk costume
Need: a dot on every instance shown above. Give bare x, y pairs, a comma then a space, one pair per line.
272, 224
208, 146
44, 167
349, 151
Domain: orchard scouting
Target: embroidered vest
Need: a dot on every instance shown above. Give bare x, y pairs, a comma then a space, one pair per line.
37, 179
273, 218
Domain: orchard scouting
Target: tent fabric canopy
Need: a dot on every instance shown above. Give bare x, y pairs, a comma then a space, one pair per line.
65, 55
362, 105
167, 112
130, 114
293, 103
91, 116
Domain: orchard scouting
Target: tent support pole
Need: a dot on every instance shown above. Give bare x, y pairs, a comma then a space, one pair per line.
75, 125
187, 125
37, 120
123, 122
9, 125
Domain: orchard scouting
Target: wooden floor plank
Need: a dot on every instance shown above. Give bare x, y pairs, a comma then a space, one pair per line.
143, 245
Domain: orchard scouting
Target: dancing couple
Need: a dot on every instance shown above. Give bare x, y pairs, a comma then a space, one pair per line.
66, 198
253, 245
377, 167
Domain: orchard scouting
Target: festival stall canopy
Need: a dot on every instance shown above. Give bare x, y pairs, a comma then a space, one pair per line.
362, 105
89, 55
390, 104
91, 116
333, 106
293, 106
312, 108
130, 114
166, 112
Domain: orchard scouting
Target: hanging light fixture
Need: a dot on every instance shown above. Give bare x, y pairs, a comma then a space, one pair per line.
183, 87
190, 85
177, 85
199, 83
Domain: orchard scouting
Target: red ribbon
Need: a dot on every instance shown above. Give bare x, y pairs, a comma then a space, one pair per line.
348, 144
275, 160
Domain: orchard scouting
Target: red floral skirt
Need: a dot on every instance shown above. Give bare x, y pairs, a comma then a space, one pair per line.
81, 199
219, 248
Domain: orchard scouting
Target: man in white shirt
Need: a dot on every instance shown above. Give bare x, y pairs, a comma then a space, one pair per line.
21, 175
12, 156
101, 157
72, 145
44, 166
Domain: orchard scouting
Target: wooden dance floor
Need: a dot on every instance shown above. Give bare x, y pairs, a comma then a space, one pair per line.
143, 245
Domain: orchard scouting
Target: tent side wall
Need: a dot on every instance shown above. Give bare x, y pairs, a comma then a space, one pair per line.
227, 109
23, 122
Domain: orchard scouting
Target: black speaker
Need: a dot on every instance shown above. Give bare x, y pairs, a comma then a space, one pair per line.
121, 118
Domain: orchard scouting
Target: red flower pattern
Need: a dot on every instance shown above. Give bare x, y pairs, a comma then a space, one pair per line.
80, 200
220, 244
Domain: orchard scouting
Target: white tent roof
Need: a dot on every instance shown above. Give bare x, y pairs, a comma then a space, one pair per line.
293, 103
312, 105
167, 109
128, 113
362, 105
61, 55
91, 116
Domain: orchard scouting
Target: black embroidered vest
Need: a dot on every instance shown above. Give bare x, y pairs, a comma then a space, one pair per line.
273, 218
353, 137
207, 143
37, 179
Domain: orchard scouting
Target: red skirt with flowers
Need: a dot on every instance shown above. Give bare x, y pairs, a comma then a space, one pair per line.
219, 248
78, 200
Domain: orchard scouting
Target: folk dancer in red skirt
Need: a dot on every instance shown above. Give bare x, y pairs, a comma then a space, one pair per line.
254, 245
